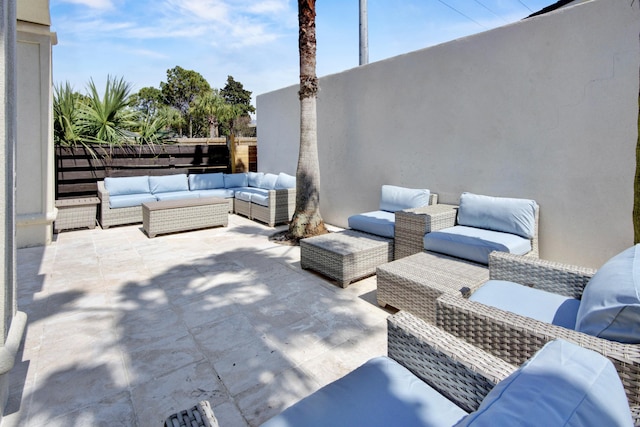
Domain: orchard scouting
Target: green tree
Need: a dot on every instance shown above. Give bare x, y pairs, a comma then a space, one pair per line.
236, 95
181, 89
148, 101
213, 108
307, 220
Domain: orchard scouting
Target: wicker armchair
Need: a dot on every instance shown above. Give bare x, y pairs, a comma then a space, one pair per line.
515, 338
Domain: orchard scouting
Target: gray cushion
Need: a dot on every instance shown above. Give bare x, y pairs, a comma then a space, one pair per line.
537, 304
380, 223
285, 181
255, 178
127, 185
176, 195
394, 198
234, 180
516, 216
224, 193
610, 306
169, 183
474, 244
269, 181
206, 181
130, 200
379, 393
561, 385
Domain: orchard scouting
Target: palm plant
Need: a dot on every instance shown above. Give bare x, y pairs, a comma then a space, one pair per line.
152, 130
65, 113
212, 106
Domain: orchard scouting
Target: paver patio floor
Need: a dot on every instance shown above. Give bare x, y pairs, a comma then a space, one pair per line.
125, 330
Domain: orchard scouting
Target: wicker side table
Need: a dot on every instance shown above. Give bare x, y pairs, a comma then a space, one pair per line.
169, 216
76, 213
413, 224
345, 256
414, 283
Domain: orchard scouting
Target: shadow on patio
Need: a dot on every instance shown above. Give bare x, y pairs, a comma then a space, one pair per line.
127, 330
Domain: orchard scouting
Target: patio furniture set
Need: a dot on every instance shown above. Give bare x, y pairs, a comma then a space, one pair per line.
181, 202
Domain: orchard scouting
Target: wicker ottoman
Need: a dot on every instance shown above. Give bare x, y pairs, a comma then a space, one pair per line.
345, 256
169, 216
76, 213
414, 283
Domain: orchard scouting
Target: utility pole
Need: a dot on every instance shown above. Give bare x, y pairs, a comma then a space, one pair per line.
364, 33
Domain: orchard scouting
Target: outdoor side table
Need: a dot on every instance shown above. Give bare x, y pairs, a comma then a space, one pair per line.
412, 224
76, 213
345, 256
170, 216
414, 283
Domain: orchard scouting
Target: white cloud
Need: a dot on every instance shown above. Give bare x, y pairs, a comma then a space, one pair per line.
268, 6
93, 4
206, 10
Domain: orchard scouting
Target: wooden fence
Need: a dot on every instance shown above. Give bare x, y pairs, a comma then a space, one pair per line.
77, 171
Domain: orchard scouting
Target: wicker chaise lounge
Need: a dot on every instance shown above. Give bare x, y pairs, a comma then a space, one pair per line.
515, 337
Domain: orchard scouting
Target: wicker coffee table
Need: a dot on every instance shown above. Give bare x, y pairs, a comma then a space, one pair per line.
414, 283
345, 256
170, 216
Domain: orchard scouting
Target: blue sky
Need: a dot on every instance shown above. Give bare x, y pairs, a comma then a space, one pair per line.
253, 41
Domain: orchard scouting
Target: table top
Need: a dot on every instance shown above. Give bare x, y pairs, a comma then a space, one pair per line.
346, 241
183, 203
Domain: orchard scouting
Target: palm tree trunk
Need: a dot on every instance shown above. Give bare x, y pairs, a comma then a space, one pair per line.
636, 187
307, 220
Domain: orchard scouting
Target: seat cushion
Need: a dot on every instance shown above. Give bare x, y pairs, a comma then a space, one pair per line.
285, 181
206, 181
561, 385
474, 244
233, 180
168, 183
177, 195
544, 306
224, 193
380, 223
127, 185
610, 306
130, 200
379, 393
515, 216
394, 198
247, 194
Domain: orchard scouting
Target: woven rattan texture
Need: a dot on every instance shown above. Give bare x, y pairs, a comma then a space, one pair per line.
412, 224
76, 213
282, 204
242, 207
189, 217
414, 283
109, 217
459, 371
199, 415
346, 255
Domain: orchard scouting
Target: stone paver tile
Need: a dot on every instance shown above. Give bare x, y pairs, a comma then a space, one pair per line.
228, 414
218, 338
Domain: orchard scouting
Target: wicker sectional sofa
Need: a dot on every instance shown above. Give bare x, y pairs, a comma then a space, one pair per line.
266, 197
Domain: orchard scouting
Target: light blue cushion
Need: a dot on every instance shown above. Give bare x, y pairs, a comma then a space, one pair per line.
234, 180
394, 198
285, 181
127, 185
206, 181
269, 181
247, 194
169, 183
379, 393
130, 200
561, 385
255, 178
474, 244
224, 193
516, 216
610, 306
537, 304
176, 195
380, 223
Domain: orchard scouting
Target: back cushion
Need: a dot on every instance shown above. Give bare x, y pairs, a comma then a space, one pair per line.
127, 185
269, 181
561, 385
206, 181
610, 306
169, 183
394, 198
234, 180
515, 216
285, 181
255, 178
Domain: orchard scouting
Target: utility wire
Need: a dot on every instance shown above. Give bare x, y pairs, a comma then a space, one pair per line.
486, 7
457, 11
522, 3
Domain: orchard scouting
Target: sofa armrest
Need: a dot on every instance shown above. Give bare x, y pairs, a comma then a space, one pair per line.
550, 276
412, 224
516, 338
462, 373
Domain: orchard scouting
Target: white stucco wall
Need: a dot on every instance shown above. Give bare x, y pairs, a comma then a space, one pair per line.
545, 108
